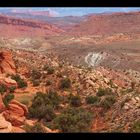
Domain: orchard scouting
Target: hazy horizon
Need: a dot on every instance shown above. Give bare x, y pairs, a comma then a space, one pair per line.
60, 12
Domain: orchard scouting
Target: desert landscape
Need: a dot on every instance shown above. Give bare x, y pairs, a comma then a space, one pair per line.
70, 73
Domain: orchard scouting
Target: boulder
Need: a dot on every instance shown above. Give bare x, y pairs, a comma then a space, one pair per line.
5, 126
16, 113
15, 120
24, 107
7, 81
17, 130
10, 82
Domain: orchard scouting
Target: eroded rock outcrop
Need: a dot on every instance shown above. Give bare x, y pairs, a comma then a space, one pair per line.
7, 65
7, 81
5, 126
2, 106
16, 113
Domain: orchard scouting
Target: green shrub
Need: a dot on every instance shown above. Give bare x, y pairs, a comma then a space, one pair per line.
21, 83
8, 98
43, 107
65, 83
107, 102
45, 67
16, 77
136, 127
48, 82
75, 101
102, 92
37, 128
3, 88
54, 98
35, 74
92, 99
74, 120
36, 83
42, 112
12, 89
50, 70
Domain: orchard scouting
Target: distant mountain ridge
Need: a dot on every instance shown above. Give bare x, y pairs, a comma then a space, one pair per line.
108, 24
26, 27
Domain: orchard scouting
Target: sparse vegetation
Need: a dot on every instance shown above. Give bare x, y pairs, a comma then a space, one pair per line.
75, 100
36, 83
107, 102
92, 99
48, 82
102, 92
43, 106
74, 120
54, 98
35, 74
12, 89
136, 127
65, 83
8, 98
37, 128
3, 88
49, 69
21, 83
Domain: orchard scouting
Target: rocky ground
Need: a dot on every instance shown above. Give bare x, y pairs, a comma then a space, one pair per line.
85, 82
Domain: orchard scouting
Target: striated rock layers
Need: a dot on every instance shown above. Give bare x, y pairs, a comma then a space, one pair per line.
16, 113
7, 65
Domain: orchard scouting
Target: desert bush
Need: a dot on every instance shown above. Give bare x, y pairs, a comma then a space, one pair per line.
8, 98
45, 67
107, 102
36, 83
92, 99
12, 89
48, 82
75, 101
54, 98
16, 77
43, 107
21, 83
136, 127
42, 112
59, 74
3, 88
65, 83
35, 74
74, 120
102, 92
49, 69
37, 128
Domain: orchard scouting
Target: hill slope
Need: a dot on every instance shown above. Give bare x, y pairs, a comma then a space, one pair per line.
17, 27
108, 24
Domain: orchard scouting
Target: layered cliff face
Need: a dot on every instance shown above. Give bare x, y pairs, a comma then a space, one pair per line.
6, 63
11, 27
107, 24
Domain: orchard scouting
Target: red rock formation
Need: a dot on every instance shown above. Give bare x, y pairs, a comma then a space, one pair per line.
7, 81
2, 106
17, 27
16, 113
5, 126
6, 63
108, 24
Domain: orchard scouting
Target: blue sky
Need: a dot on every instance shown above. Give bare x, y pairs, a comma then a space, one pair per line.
66, 11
